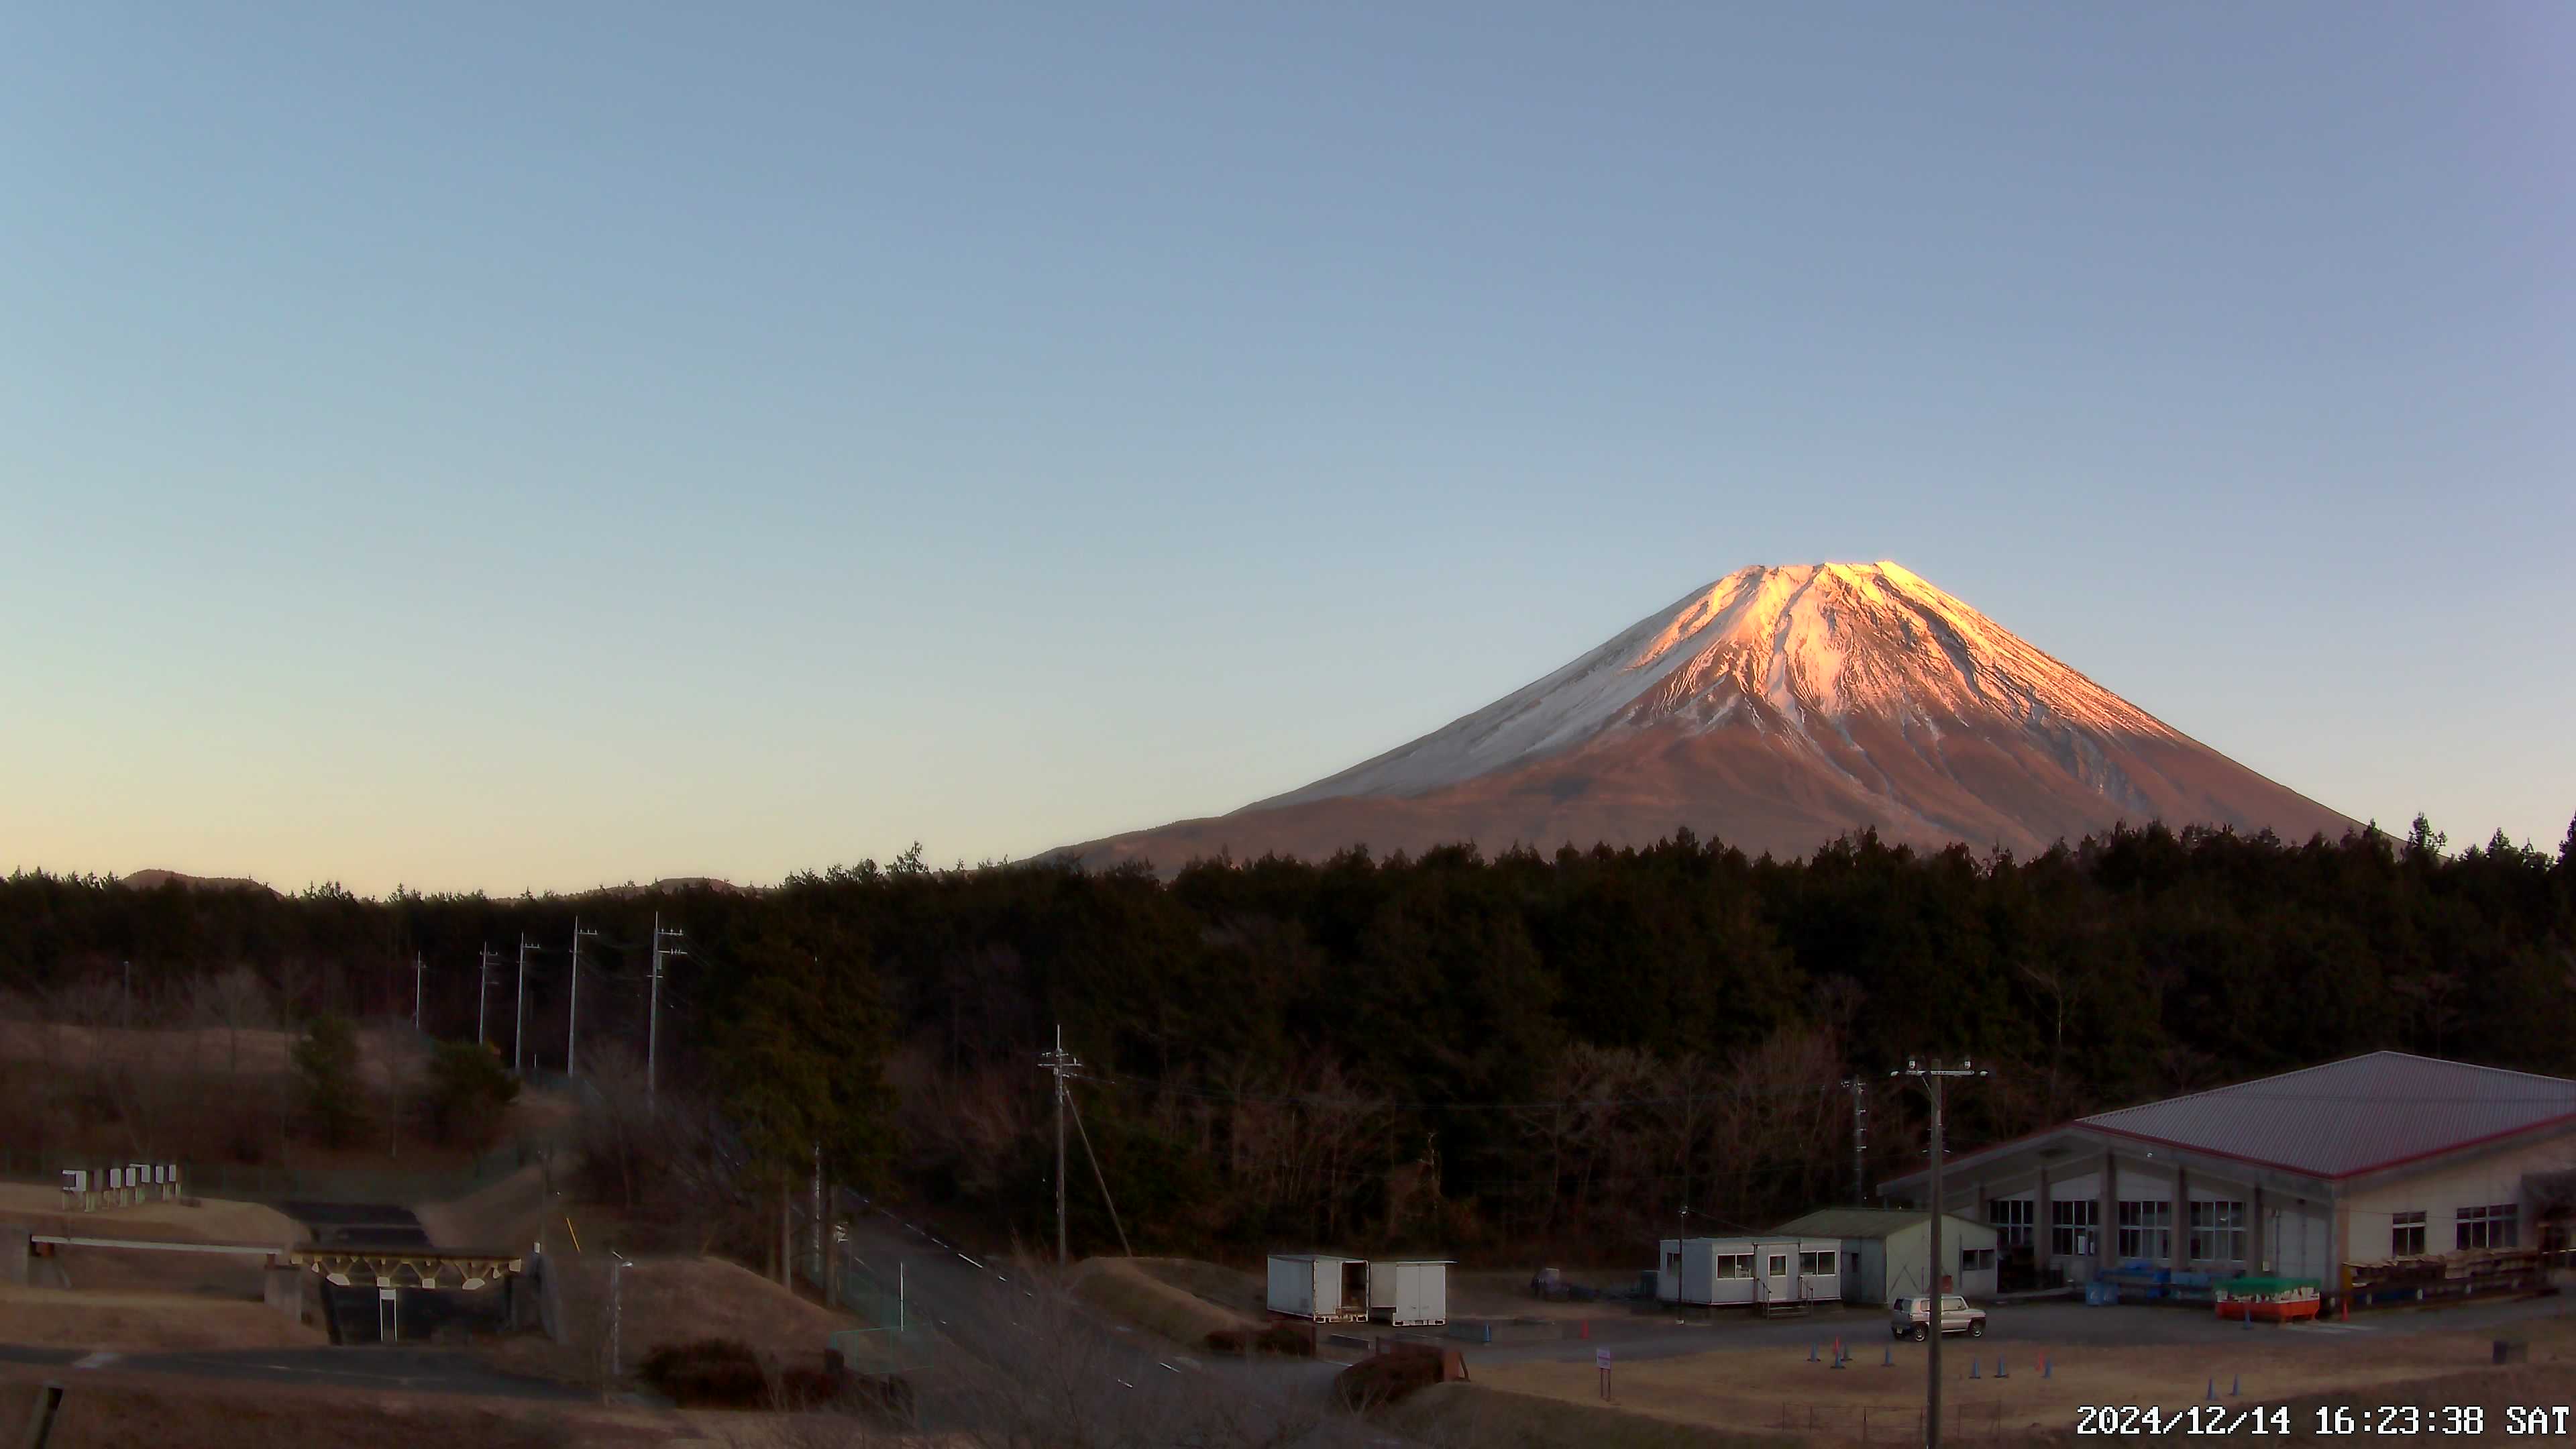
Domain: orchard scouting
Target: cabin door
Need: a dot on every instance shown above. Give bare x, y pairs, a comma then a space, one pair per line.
1779, 1275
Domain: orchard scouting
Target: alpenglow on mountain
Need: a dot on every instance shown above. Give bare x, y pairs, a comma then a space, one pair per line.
1775, 709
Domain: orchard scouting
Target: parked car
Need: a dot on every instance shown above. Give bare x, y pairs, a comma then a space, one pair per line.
1912, 1318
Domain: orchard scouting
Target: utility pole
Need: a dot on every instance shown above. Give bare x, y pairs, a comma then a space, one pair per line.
1063, 1063
419, 974
1932, 1077
1859, 1090
519, 1017
572, 1031
653, 1016
129, 995
483, 994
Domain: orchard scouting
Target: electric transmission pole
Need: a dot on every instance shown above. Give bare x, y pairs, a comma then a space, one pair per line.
572, 1031
1932, 1077
1062, 1063
483, 994
419, 974
653, 1014
1860, 1139
519, 1017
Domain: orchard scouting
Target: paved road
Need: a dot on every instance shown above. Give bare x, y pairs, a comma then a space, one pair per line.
416, 1370
980, 1311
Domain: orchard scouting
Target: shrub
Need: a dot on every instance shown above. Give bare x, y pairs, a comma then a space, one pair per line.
711, 1373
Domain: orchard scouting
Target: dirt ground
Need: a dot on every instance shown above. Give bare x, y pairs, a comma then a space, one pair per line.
53, 1318
1775, 1388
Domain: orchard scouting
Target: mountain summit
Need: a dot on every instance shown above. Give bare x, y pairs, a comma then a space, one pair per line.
1774, 709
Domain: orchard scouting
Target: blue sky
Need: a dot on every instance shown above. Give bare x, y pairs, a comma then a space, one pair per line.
507, 446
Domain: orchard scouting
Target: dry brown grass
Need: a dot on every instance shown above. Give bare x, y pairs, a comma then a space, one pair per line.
1473, 1416
1231, 1289
666, 1301
1124, 1287
134, 1322
510, 1213
209, 1220
113, 1410
1774, 1387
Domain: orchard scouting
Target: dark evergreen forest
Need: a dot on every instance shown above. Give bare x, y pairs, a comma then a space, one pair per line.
1504, 1057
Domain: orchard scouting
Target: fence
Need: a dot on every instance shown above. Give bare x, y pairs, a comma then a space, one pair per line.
894, 1337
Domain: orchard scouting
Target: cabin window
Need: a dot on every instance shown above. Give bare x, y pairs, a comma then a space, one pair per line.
1976, 1260
1815, 1263
1734, 1265
2405, 1234
2487, 1227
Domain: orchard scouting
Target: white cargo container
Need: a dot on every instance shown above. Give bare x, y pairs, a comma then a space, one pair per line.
1319, 1286
1409, 1292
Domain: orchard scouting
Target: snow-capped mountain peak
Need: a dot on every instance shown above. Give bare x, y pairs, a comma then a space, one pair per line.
1795, 650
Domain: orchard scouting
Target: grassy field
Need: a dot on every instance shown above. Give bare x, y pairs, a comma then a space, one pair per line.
1775, 1388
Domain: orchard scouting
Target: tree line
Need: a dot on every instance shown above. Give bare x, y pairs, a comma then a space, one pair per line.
1512, 1054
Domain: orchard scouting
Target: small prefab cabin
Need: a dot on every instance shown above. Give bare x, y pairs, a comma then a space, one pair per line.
1887, 1253
1411, 1293
1714, 1272
1319, 1286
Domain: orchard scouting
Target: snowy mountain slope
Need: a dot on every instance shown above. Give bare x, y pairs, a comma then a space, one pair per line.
1774, 709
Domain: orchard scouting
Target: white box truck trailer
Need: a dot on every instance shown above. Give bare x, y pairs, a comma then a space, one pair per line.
1319, 1286
1409, 1293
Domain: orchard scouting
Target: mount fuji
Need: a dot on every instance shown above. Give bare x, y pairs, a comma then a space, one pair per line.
1774, 710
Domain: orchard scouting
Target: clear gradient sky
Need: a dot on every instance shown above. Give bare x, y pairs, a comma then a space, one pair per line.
530, 446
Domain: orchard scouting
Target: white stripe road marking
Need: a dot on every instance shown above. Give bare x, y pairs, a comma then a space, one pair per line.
978, 1266
100, 1359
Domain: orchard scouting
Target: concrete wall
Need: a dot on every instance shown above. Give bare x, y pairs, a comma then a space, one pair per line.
2441, 1194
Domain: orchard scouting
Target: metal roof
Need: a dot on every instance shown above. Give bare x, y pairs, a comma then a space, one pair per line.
1865, 1223
2345, 1118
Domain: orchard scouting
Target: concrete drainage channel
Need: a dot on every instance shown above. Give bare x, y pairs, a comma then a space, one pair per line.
40, 1420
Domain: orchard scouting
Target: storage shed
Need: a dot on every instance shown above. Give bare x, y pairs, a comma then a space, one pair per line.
1886, 1252
1752, 1271
1319, 1286
1409, 1293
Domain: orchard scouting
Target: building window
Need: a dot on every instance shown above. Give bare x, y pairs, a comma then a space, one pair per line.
1734, 1265
1673, 1263
2071, 1226
2405, 1235
1779, 1265
1977, 1260
2218, 1232
2011, 1218
2487, 1227
1816, 1263
2146, 1229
